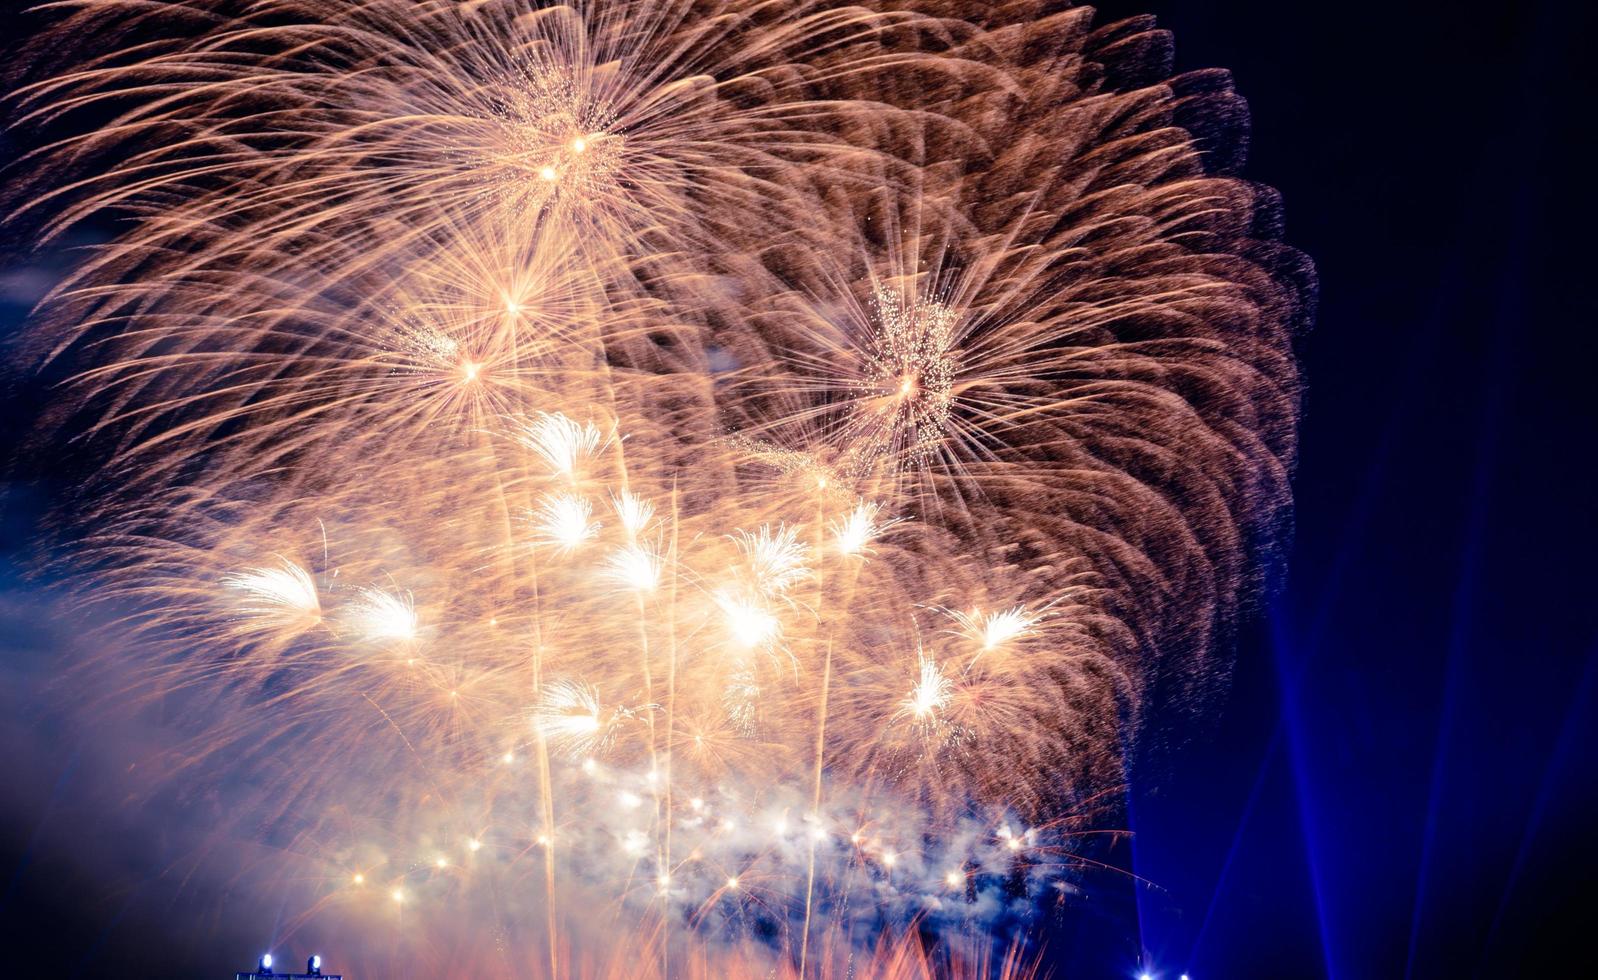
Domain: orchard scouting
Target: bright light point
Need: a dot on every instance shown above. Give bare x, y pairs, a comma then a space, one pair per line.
750, 623
360, 879
266, 961
563, 520
663, 880
859, 528
579, 145
634, 567
508, 758
697, 803
931, 693
542, 840
316, 962
469, 371
997, 628
1185, 977
442, 863
633, 511
954, 879
285, 592
775, 558
568, 714
628, 799
397, 895
907, 386
512, 307
548, 173
560, 441
1145, 976
474, 845
1014, 843
890, 859
732, 884
380, 615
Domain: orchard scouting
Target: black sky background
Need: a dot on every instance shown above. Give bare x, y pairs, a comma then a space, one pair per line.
1401, 781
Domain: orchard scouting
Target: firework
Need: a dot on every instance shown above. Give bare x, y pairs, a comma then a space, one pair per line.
738, 467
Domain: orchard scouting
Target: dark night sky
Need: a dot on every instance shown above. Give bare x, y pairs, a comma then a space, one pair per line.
1400, 782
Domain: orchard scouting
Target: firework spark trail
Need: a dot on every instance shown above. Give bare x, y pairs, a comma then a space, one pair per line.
733, 465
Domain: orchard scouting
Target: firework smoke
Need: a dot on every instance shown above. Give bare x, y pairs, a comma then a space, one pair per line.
728, 472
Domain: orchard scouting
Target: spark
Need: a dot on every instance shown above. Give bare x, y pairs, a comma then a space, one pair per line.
911, 358
931, 693
859, 528
634, 567
568, 714
775, 558
379, 614
284, 590
750, 623
564, 520
561, 442
995, 629
633, 511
